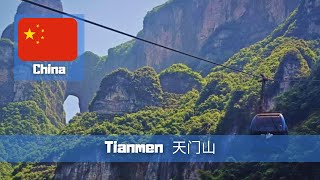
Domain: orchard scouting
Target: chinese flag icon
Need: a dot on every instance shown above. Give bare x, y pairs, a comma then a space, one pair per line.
47, 39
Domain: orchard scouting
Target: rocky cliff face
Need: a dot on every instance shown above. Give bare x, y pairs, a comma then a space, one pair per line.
95, 65
220, 23
212, 29
48, 95
313, 15
27, 9
125, 92
304, 23
293, 65
114, 171
180, 79
205, 28
6, 72
94, 72
296, 62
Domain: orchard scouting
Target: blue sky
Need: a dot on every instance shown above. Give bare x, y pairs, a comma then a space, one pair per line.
125, 15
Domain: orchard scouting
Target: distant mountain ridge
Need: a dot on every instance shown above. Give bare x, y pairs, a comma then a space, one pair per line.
210, 28
225, 105
223, 102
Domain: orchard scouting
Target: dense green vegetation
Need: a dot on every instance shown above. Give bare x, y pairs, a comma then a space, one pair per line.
226, 95
48, 96
288, 44
178, 118
33, 171
301, 106
123, 48
179, 79
183, 69
119, 56
24, 118
143, 83
225, 104
6, 170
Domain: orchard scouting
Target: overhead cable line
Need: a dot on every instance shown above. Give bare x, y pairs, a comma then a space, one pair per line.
156, 44
138, 38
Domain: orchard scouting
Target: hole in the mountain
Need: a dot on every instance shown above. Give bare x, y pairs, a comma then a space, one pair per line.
71, 107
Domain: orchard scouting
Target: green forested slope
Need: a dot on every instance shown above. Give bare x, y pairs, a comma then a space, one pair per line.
225, 104
228, 101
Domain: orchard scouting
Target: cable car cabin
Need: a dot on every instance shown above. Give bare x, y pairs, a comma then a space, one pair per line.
265, 123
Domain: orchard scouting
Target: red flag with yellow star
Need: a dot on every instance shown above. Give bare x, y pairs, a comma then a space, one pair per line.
47, 39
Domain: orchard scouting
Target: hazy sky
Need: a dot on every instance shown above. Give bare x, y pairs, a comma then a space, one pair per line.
7, 10
125, 15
